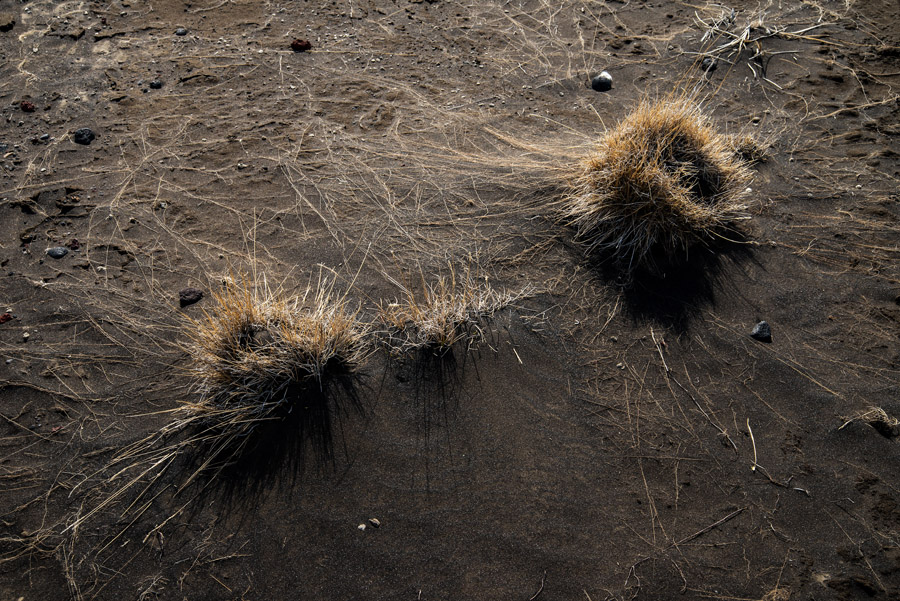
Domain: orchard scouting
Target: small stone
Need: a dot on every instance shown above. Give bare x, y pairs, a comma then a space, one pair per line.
189, 296
376, 523
26, 106
602, 83
299, 45
762, 332
26, 336
83, 136
7, 21
361, 527
709, 64
156, 84
5, 317
181, 31
44, 137
57, 252
8, 361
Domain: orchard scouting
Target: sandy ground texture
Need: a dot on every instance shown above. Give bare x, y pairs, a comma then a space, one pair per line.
610, 438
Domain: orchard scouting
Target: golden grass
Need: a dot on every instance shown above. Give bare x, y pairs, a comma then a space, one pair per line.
749, 148
446, 312
259, 351
661, 180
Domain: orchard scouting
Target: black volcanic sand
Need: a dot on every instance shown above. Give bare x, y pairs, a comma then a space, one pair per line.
611, 438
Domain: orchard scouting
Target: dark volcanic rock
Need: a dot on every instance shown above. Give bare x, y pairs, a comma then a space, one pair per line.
83, 136
709, 64
57, 252
762, 332
602, 83
26, 106
299, 45
181, 31
189, 296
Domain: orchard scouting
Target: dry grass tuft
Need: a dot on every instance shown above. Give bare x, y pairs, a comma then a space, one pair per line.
879, 419
662, 179
259, 352
750, 149
777, 594
446, 312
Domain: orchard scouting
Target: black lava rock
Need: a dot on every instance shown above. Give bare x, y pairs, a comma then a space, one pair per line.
156, 84
602, 83
762, 332
83, 136
57, 252
299, 45
189, 296
709, 64
181, 31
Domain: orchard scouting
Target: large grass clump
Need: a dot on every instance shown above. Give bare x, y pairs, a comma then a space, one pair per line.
662, 180
259, 354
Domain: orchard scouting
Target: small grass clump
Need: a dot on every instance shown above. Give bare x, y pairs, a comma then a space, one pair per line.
750, 149
259, 353
879, 419
448, 311
660, 181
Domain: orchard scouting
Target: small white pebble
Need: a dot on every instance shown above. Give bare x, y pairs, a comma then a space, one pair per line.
26, 336
361, 527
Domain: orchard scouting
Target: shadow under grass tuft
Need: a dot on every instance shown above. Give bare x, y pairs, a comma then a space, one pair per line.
673, 290
436, 379
305, 433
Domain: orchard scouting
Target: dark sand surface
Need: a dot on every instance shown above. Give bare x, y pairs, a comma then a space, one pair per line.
600, 443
